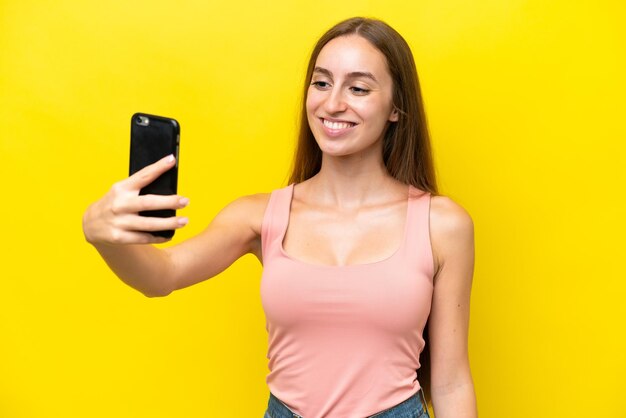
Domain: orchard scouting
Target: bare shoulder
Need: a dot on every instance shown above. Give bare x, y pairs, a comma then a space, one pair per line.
248, 209
449, 218
451, 229
253, 202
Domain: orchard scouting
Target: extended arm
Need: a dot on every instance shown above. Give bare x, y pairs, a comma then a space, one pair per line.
111, 225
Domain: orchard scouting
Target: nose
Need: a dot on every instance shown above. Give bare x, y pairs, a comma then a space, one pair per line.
335, 102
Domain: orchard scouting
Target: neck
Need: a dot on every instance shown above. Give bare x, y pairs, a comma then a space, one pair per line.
352, 181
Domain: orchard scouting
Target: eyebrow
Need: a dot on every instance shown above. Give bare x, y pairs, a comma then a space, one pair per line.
354, 74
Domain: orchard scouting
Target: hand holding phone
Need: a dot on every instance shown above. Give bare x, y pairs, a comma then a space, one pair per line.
114, 219
142, 208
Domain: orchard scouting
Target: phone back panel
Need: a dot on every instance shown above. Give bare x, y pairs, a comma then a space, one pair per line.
152, 138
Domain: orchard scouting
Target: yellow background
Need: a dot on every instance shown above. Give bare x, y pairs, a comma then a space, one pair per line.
526, 106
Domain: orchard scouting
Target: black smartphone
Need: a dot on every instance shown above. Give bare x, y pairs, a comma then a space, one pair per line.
152, 138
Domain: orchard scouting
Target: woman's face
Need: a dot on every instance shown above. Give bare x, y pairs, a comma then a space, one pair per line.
349, 102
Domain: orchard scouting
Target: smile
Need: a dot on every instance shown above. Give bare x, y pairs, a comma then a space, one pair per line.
336, 126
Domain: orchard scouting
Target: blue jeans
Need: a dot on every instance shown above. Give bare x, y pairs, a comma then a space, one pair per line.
414, 407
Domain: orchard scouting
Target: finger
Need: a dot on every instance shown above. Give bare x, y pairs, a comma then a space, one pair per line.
150, 172
135, 204
151, 223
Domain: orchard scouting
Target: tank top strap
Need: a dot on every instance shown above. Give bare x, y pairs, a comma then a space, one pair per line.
275, 220
418, 229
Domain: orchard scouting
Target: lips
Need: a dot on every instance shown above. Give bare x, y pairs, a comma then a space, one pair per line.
336, 128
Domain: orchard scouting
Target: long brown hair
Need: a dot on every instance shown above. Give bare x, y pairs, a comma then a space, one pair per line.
407, 151
406, 145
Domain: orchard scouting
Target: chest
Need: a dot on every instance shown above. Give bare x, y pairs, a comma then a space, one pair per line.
392, 296
339, 238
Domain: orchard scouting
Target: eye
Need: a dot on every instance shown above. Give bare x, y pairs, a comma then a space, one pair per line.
320, 85
359, 91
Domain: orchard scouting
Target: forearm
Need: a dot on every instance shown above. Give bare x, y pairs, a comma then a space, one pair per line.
143, 267
455, 402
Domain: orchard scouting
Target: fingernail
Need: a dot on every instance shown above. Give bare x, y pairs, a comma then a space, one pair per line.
184, 201
170, 158
183, 221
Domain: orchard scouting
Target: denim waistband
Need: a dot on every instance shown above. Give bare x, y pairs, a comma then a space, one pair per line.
413, 407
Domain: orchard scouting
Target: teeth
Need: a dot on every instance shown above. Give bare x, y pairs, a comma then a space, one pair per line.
337, 125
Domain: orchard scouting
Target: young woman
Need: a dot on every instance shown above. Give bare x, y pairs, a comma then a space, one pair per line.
358, 251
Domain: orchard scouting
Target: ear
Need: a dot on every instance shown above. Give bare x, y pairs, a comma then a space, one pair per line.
395, 115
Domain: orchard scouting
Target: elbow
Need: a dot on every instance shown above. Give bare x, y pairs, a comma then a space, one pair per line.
162, 290
160, 286
155, 293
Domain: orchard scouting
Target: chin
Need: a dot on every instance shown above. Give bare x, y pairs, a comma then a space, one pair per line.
333, 149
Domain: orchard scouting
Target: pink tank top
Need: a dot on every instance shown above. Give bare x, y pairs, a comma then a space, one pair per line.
345, 341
